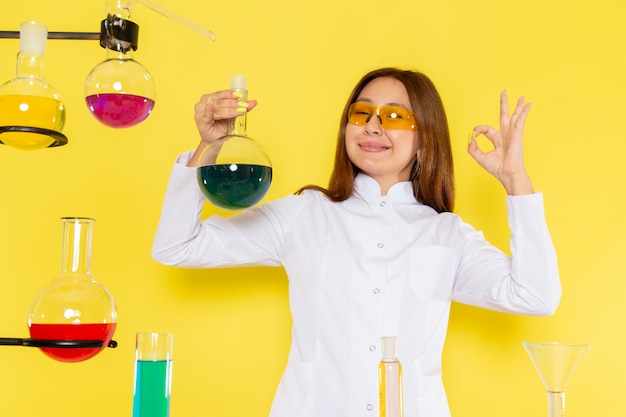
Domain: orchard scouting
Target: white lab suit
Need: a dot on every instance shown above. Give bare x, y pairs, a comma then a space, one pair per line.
367, 267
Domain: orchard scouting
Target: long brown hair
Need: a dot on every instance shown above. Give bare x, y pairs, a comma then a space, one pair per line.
433, 174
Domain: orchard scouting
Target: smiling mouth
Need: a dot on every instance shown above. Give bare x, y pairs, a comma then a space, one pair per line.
373, 148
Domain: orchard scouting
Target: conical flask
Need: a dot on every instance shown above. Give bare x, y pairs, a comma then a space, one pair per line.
556, 363
119, 92
234, 172
32, 114
74, 306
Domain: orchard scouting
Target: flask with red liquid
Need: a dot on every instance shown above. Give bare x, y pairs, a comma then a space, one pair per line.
73, 306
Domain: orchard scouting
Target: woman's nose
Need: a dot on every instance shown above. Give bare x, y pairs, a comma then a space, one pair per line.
373, 126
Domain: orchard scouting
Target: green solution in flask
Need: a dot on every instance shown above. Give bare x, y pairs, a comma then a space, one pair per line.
234, 172
390, 379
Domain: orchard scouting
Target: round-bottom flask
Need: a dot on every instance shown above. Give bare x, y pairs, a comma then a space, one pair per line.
119, 92
32, 114
238, 176
74, 306
234, 172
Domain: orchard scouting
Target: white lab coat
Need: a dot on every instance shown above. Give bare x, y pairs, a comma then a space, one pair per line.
364, 268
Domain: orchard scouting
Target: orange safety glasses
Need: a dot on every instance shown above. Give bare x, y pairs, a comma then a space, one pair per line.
390, 117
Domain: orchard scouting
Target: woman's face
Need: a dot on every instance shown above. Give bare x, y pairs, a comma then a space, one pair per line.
385, 155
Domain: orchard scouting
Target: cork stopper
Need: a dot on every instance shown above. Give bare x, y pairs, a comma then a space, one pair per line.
238, 82
33, 36
390, 347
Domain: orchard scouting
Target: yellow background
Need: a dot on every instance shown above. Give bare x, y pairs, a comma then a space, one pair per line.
301, 60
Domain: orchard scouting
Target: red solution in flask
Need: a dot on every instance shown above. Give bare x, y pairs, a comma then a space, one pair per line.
96, 331
74, 307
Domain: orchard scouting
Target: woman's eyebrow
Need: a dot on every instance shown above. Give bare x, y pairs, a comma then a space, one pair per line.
391, 103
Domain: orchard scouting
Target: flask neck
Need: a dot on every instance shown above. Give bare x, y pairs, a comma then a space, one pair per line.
239, 124
120, 8
122, 56
76, 261
30, 65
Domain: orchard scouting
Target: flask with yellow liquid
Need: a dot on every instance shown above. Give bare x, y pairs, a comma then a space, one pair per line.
32, 114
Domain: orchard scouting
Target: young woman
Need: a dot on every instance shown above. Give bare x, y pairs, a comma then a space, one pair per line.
377, 253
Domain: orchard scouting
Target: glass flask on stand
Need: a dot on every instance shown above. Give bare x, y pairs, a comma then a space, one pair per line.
73, 306
32, 114
119, 92
234, 172
555, 363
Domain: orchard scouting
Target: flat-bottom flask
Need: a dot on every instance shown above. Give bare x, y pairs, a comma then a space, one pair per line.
390, 380
234, 172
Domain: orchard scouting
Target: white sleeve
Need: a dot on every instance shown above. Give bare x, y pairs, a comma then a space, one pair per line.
525, 283
180, 214
252, 237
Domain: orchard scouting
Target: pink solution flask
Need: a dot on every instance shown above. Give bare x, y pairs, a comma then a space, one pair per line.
119, 92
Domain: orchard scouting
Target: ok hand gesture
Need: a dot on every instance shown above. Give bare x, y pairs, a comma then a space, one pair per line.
506, 160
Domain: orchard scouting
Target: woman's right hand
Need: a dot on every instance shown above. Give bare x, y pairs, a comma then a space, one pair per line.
214, 115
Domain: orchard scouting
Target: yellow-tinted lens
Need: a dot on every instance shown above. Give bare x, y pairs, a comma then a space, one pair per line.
390, 117
360, 113
393, 117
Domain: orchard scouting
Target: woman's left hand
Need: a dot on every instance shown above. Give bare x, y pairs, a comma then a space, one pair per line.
506, 160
